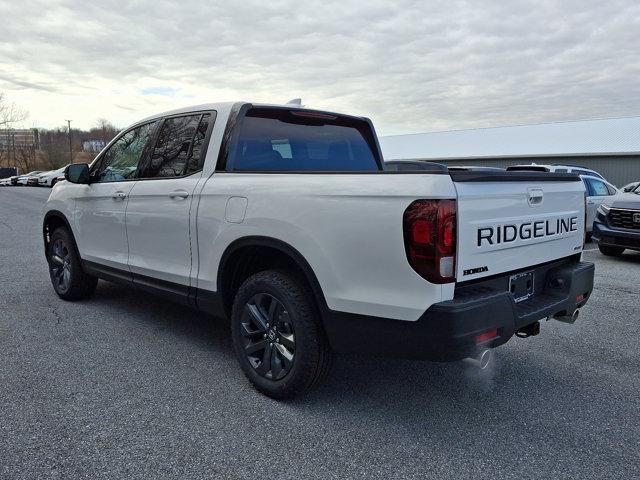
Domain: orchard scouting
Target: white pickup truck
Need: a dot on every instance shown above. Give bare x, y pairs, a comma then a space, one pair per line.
287, 221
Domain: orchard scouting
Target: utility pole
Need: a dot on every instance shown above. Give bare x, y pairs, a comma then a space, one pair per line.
70, 149
13, 145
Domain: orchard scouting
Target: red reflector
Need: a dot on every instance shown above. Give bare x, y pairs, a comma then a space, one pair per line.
579, 298
483, 337
421, 232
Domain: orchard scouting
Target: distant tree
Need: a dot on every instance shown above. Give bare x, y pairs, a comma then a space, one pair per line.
10, 112
55, 147
103, 130
27, 158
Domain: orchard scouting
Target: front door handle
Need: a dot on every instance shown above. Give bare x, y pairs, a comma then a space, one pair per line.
119, 195
178, 194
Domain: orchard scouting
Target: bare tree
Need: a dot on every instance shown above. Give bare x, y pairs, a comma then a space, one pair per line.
10, 112
104, 130
26, 158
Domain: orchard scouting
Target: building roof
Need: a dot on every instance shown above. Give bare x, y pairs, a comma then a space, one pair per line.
611, 136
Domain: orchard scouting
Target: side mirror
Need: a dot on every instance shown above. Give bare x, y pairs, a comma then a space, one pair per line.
77, 173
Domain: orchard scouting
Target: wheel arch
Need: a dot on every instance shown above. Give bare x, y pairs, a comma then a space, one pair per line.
248, 255
52, 220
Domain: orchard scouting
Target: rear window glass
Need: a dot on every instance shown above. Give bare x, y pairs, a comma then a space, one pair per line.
286, 140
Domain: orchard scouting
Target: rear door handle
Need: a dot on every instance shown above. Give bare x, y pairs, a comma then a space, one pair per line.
178, 194
119, 195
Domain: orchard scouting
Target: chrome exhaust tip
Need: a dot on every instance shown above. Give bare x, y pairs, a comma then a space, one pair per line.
480, 361
569, 318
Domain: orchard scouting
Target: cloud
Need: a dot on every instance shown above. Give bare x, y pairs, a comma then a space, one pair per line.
28, 85
409, 65
162, 91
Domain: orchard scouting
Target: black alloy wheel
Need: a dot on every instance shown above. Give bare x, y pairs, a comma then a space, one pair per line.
277, 334
268, 336
69, 279
60, 265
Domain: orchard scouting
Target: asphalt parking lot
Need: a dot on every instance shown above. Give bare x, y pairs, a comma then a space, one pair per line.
127, 385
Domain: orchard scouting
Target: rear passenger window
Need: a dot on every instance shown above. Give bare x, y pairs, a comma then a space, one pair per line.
561, 170
196, 161
179, 148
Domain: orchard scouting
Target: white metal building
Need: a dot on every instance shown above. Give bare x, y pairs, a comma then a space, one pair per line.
609, 146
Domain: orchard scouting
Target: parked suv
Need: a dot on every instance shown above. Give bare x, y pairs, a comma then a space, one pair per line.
617, 223
285, 221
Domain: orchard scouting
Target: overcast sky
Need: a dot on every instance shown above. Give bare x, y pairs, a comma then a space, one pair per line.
410, 66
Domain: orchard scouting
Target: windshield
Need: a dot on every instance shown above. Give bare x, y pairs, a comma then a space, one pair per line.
636, 190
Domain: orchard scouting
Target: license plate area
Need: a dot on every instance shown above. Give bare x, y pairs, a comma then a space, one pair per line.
521, 286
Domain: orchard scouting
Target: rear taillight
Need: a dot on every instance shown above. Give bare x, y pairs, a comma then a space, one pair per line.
430, 239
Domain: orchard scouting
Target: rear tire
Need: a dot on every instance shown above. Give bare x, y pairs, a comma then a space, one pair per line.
277, 335
68, 278
610, 251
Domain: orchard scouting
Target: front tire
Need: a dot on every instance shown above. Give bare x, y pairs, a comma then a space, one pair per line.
610, 251
277, 335
68, 278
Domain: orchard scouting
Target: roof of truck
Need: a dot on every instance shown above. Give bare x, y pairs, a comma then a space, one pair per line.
226, 106
609, 136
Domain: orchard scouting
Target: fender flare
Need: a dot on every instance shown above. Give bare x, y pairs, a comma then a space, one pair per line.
290, 251
61, 216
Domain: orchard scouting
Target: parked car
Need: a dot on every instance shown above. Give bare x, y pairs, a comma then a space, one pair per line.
49, 179
597, 191
556, 168
630, 187
285, 221
32, 181
24, 179
617, 223
5, 182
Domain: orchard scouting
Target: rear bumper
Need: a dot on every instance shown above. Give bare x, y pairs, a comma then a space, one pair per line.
615, 237
447, 331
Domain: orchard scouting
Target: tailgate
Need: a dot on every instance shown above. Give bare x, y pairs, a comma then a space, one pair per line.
510, 221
